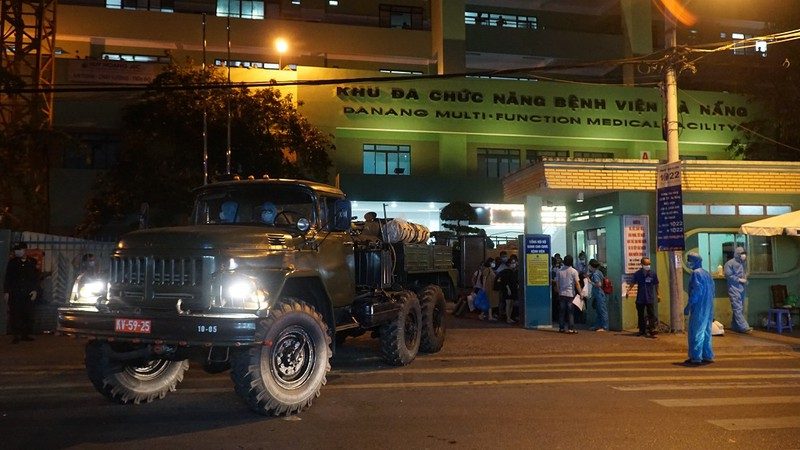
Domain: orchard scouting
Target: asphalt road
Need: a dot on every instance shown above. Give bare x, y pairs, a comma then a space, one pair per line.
492, 387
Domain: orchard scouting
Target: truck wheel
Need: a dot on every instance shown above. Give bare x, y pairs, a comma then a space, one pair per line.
284, 374
434, 311
400, 338
134, 381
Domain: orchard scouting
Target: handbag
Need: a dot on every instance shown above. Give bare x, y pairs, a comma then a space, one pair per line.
481, 302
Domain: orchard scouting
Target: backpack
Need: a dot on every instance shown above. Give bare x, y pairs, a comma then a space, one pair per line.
608, 288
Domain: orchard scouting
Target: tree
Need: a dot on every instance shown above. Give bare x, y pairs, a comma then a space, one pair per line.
162, 145
24, 186
459, 212
775, 86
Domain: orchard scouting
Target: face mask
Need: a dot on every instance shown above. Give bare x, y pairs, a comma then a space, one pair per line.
743, 256
91, 263
513, 265
503, 259
581, 259
491, 265
19, 253
646, 267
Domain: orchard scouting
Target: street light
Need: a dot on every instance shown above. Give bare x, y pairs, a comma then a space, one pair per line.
281, 46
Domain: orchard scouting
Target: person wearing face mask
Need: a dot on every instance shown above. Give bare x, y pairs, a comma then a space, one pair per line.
20, 291
735, 270
489, 276
647, 295
701, 308
599, 299
507, 279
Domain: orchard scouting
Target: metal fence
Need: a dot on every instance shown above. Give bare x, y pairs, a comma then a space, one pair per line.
60, 258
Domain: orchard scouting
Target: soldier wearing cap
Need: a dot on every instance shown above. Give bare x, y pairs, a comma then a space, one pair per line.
20, 290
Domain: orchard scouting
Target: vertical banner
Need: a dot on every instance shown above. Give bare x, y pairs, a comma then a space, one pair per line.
635, 238
669, 195
537, 281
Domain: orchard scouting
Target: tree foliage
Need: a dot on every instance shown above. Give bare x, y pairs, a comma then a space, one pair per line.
459, 212
24, 185
775, 134
162, 145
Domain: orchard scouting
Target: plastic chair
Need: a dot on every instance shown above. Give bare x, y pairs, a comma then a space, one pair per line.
776, 314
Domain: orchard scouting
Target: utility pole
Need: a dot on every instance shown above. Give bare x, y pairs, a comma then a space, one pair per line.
675, 256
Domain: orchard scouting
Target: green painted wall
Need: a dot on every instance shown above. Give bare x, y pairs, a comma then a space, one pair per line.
622, 312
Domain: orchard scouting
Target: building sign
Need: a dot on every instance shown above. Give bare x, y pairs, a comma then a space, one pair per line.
535, 109
635, 238
669, 229
537, 303
537, 260
98, 71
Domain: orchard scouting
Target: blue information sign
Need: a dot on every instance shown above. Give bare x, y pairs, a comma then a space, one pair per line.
536, 280
669, 230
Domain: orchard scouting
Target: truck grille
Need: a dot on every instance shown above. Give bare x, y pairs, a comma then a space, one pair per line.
142, 270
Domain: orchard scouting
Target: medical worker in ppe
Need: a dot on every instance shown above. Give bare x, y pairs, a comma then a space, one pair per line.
701, 308
735, 270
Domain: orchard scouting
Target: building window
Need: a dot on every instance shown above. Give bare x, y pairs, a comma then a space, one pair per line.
695, 209
718, 248
534, 156
144, 5
743, 45
382, 159
608, 155
242, 9
496, 162
396, 16
135, 58
93, 151
723, 210
751, 210
774, 210
500, 20
759, 254
252, 64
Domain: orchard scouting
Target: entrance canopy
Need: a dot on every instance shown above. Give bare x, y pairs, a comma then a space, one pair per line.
788, 223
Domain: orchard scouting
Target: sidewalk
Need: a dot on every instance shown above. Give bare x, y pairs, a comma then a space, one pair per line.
465, 335
590, 341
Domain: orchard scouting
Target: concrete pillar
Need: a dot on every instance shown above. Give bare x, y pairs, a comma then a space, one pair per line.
533, 214
448, 36
637, 33
453, 154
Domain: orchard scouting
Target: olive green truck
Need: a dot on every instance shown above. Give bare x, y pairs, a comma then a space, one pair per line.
267, 279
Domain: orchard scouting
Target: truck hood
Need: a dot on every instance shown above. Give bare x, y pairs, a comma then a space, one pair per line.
213, 238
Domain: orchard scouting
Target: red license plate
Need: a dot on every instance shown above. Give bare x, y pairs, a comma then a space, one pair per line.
132, 326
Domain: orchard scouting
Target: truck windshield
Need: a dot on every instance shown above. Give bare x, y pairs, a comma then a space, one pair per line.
271, 205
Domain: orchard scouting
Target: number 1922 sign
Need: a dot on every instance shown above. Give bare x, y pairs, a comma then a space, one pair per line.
670, 207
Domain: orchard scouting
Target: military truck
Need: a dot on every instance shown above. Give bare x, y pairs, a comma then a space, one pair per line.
267, 279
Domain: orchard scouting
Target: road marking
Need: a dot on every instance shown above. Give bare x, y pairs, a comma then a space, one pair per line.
561, 367
766, 423
702, 386
725, 401
535, 381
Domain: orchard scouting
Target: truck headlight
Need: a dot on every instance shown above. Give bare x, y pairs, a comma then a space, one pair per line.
240, 291
87, 292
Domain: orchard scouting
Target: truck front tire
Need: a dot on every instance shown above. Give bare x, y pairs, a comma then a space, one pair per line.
400, 338
129, 381
434, 311
284, 374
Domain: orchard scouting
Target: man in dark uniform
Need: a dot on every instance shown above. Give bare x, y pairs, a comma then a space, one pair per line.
20, 287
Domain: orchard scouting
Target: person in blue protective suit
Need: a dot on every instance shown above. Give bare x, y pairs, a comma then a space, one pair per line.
229, 212
268, 213
701, 311
735, 270
599, 298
